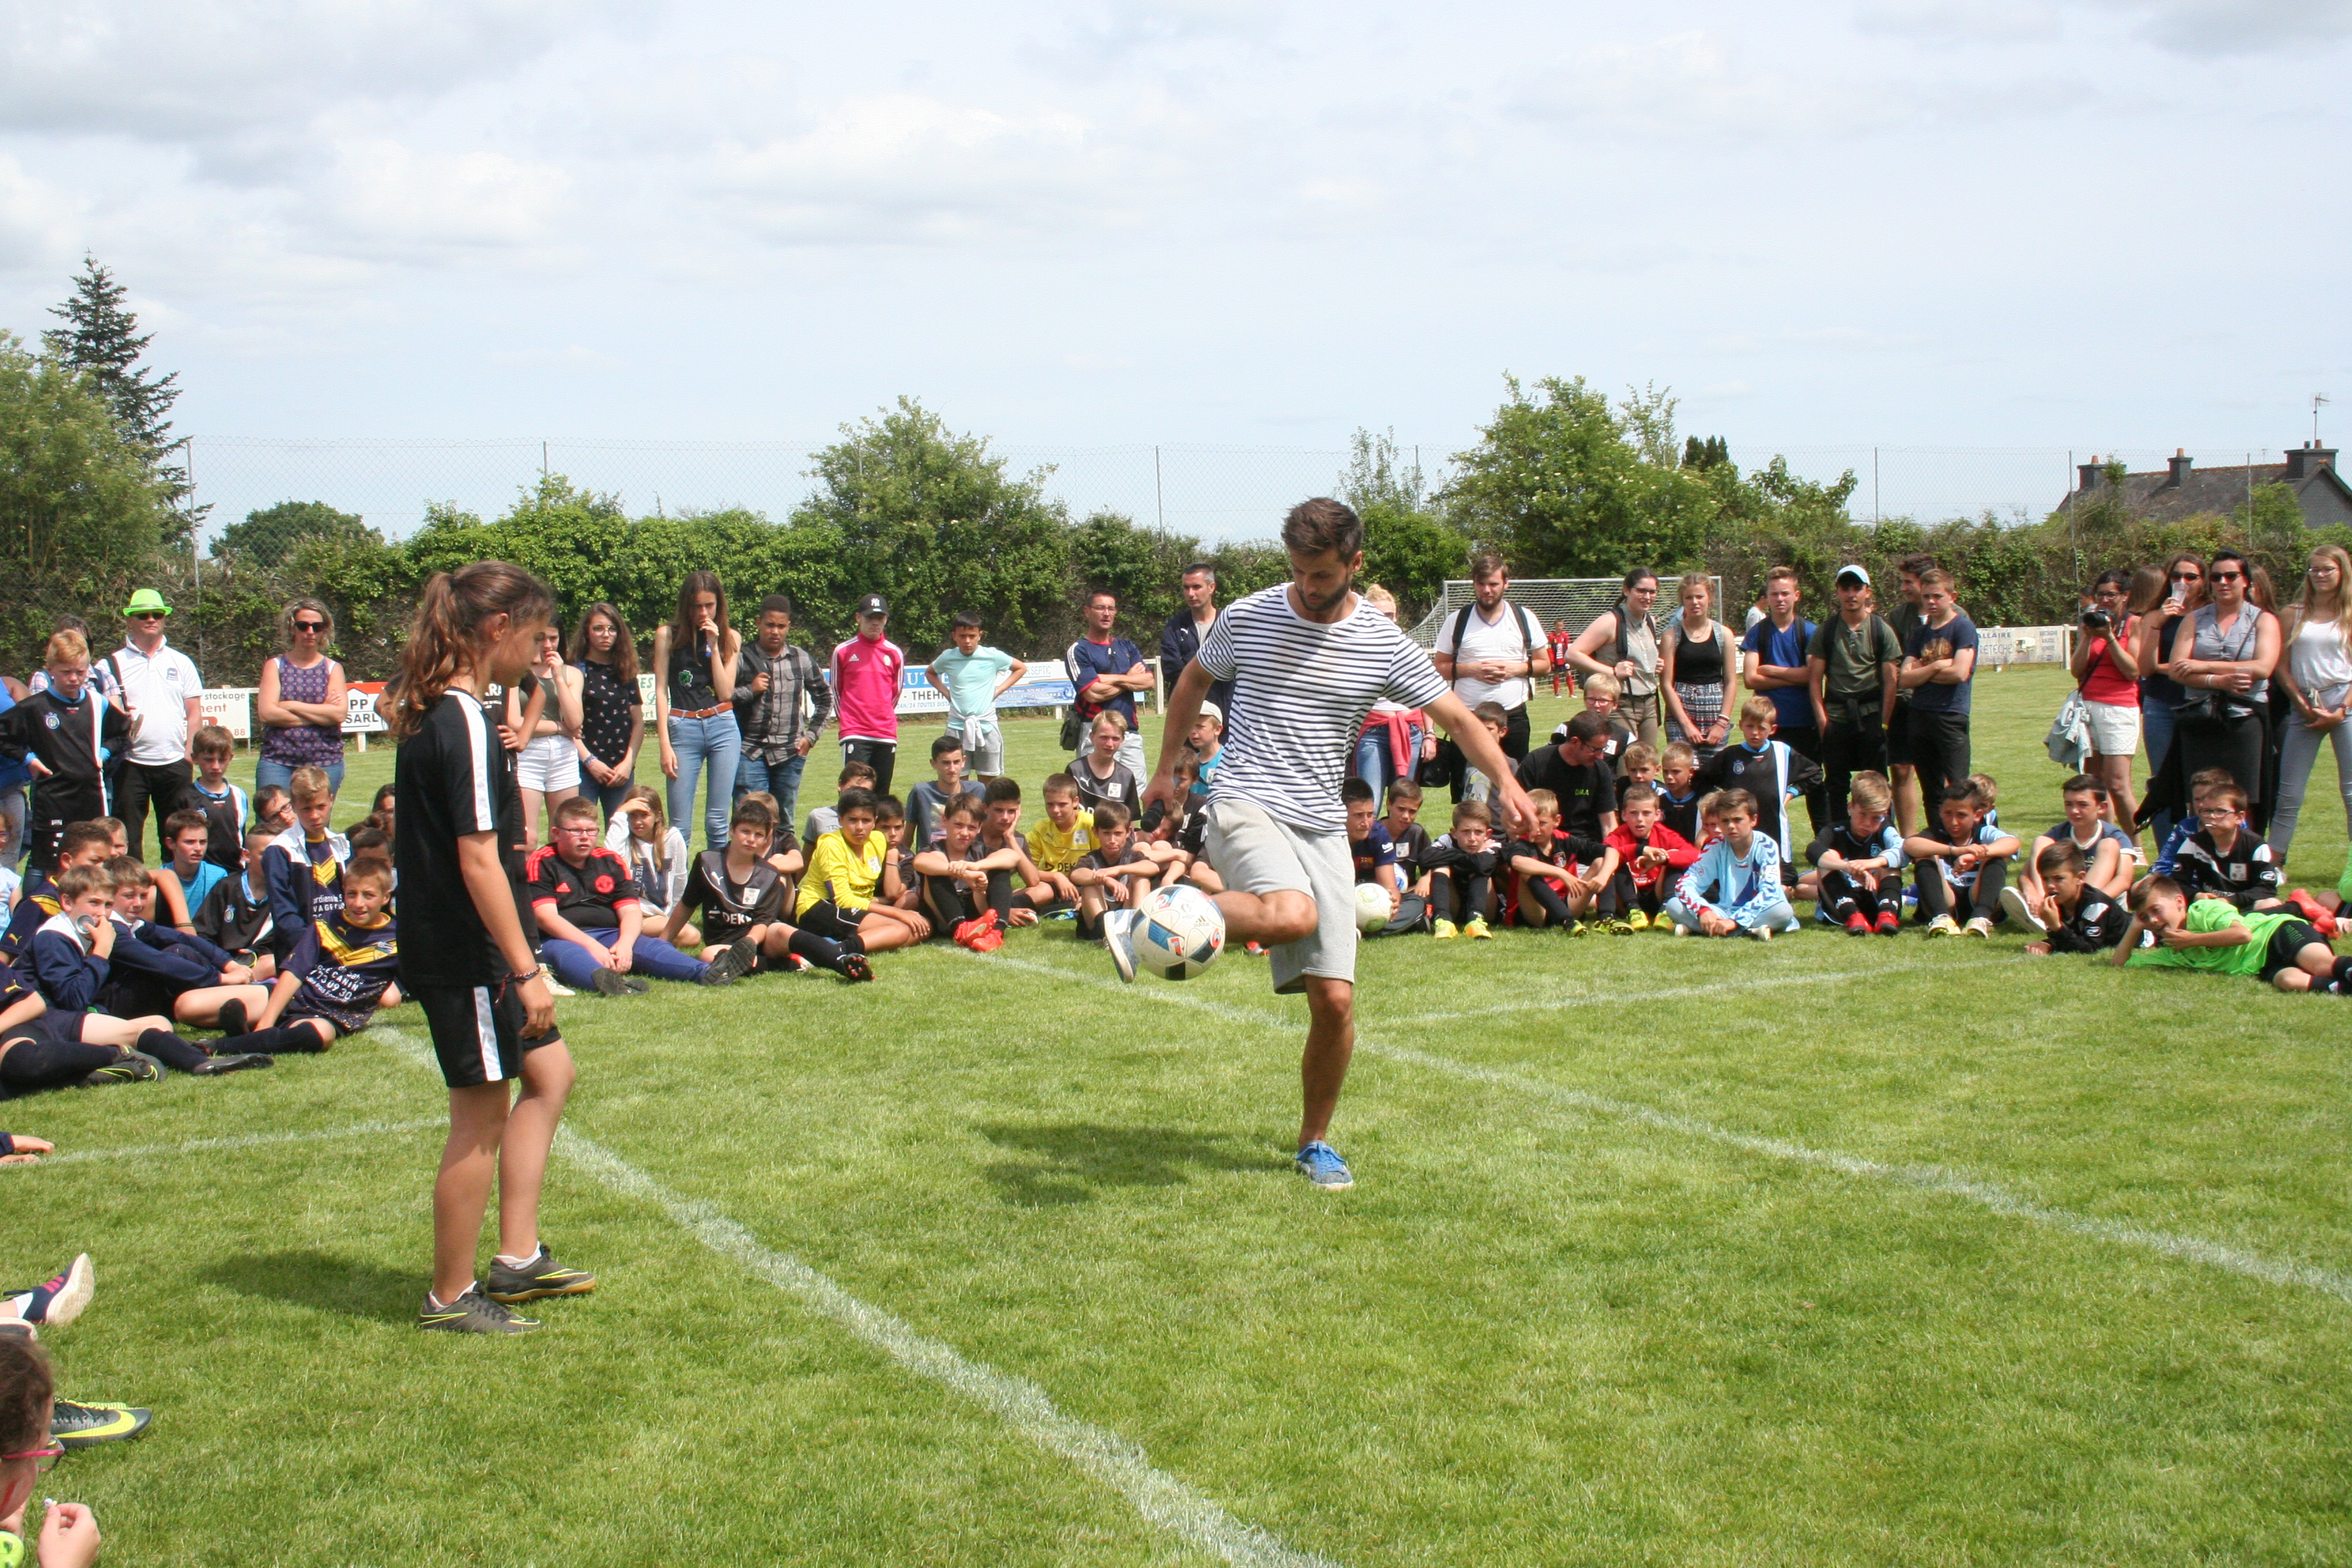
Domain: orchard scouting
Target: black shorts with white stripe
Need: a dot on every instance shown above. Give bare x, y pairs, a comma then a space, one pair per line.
478, 1032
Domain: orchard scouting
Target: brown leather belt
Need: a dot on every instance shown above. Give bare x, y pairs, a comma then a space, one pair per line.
701, 712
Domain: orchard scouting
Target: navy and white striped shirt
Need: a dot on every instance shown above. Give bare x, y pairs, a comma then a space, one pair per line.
1300, 693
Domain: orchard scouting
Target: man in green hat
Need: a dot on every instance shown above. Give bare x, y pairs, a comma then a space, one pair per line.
163, 697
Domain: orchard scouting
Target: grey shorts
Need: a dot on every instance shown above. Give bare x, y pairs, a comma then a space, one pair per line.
1256, 852
988, 758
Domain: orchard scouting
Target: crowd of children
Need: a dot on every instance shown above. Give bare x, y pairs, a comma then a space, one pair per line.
274, 932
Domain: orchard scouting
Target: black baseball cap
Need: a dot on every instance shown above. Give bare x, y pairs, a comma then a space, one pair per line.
873, 604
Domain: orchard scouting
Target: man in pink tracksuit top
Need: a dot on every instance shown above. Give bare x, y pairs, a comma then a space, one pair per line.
865, 678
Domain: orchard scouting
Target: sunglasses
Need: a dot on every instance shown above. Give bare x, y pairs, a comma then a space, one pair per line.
2229, 576
148, 615
309, 626
45, 1460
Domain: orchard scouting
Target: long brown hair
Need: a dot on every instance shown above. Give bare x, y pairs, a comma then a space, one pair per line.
2202, 593
445, 636
2329, 609
624, 646
681, 625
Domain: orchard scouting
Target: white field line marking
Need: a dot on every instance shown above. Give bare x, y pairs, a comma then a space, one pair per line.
1925, 1178
238, 1141
1161, 1499
1586, 994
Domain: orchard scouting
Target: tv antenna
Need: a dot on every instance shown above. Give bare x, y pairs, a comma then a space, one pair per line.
2318, 401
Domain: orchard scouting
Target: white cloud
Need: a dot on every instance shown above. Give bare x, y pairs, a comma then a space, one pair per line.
2209, 27
390, 200
1968, 21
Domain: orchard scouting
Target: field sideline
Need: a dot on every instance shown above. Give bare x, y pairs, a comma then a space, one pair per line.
1676, 1252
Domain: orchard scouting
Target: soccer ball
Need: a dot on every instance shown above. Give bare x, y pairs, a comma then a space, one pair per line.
1178, 931
1371, 906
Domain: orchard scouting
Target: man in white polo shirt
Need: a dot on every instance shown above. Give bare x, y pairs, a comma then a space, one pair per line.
164, 698
1491, 650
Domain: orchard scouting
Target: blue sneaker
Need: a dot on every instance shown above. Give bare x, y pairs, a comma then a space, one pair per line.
1321, 1163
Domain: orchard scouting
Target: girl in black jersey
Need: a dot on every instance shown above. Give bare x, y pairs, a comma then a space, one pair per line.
471, 968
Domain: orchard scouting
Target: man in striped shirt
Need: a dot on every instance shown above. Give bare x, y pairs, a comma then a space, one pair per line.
1308, 659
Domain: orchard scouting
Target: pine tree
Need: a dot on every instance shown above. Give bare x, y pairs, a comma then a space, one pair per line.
102, 340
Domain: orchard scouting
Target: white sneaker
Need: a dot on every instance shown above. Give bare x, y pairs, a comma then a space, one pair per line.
1761, 934
2013, 905
557, 988
1943, 925
1979, 927
1119, 941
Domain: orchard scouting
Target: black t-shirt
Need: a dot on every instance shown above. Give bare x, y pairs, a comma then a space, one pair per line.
1584, 792
2097, 923
1412, 851
1129, 855
451, 778
606, 705
589, 895
730, 908
1120, 786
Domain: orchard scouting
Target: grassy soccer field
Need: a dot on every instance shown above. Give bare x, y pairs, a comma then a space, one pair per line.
1678, 1252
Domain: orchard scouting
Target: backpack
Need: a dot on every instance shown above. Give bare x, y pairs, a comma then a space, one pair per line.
1527, 629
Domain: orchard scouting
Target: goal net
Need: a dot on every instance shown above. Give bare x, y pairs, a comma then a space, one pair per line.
1578, 601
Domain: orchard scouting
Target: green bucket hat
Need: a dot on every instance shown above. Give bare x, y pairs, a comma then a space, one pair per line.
146, 599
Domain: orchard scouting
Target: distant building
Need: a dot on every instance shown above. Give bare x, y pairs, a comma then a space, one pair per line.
2182, 489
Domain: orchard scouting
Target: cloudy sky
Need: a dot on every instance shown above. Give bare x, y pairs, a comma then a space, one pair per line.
2030, 223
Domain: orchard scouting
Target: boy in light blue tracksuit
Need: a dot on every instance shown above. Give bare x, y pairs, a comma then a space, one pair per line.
1735, 888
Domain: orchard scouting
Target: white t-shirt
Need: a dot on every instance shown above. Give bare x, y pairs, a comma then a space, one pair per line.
1504, 638
157, 689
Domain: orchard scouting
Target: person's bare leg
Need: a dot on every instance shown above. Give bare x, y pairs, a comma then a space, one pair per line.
2120, 801
1271, 919
461, 1192
1330, 1041
547, 1078
1907, 798
531, 800
201, 1006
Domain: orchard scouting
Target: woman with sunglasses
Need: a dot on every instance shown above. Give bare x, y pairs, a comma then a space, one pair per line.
69, 1537
2234, 646
2317, 675
2160, 694
301, 706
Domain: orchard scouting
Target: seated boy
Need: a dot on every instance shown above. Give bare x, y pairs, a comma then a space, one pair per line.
1969, 862
1651, 857
2076, 913
999, 830
1858, 875
273, 808
222, 803
592, 930
898, 867
967, 888
1555, 876
2105, 850
1114, 874
1473, 784
824, 819
2276, 946
1604, 694
741, 897
1462, 867
304, 865
1734, 887
1065, 838
1678, 790
2224, 859
71, 962
1640, 775
1771, 771
847, 876
928, 800
1369, 848
189, 836
160, 969
234, 916
344, 967
80, 844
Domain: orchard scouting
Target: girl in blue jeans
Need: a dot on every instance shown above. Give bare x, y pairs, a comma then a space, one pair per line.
695, 659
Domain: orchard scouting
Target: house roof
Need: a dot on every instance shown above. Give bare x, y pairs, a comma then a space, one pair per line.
2220, 490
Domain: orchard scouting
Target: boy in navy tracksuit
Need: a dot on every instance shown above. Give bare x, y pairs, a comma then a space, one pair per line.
1772, 770
157, 969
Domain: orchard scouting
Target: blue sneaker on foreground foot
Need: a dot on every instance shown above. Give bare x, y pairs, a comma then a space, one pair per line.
1321, 1163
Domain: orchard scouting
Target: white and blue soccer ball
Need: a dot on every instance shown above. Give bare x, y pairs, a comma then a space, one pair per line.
1177, 933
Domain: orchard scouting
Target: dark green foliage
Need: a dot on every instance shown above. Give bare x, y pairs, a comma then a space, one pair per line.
83, 512
269, 534
103, 341
1711, 453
